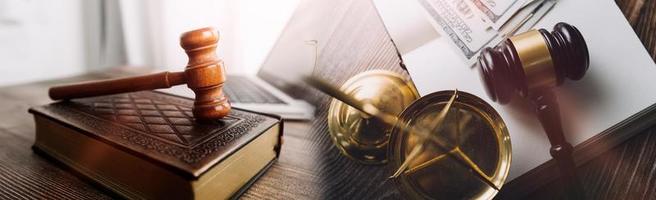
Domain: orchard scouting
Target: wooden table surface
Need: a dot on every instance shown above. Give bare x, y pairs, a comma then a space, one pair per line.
310, 167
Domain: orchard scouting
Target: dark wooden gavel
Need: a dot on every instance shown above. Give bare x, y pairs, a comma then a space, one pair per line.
204, 75
530, 64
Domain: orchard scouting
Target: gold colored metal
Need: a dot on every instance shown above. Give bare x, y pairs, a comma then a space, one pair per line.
436, 123
473, 132
390, 119
358, 135
536, 60
423, 131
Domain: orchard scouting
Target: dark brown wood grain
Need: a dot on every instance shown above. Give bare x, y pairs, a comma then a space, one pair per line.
115, 86
310, 166
204, 75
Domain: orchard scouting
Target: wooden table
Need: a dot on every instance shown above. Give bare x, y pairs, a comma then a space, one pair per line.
310, 167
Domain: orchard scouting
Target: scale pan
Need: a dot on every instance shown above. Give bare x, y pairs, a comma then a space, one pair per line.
362, 137
472, 129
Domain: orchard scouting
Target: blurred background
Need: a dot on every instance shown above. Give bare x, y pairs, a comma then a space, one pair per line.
42, 39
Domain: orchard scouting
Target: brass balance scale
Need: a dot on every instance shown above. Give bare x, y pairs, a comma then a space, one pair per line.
377, 117
451, 144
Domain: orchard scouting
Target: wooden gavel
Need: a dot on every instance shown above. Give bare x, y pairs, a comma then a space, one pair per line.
204, 75
529, 65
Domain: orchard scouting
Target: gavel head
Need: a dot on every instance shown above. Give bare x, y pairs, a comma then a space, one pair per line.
532, 61
205, 73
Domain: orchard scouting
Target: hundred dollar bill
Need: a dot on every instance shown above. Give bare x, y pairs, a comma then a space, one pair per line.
458, 20
498, 12
495, 7
526, 18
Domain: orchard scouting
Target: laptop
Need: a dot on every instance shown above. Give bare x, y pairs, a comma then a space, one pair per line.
270, 90
258, 93
261, 93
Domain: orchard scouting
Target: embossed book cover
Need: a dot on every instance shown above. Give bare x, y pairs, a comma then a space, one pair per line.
147, 145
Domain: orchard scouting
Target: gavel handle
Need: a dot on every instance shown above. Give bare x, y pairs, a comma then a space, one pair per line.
561, 150
114, 86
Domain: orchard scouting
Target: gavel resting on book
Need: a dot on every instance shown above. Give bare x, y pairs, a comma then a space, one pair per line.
529, 65
204, 75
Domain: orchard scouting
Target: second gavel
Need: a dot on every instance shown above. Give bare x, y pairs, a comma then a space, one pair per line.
529, 65
204, 75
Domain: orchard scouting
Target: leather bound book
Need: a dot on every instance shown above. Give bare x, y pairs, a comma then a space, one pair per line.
146, 145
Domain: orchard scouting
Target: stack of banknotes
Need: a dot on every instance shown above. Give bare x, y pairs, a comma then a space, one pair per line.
474, 24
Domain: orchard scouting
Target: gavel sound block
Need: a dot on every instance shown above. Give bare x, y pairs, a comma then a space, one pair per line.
530, 64
204, 75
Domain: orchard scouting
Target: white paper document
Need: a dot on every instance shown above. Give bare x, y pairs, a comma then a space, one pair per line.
620, 82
